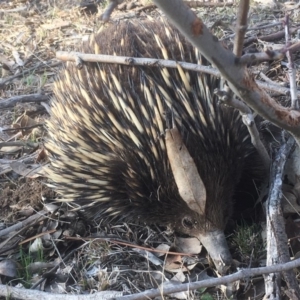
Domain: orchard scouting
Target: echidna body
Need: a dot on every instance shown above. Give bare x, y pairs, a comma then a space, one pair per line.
107, 134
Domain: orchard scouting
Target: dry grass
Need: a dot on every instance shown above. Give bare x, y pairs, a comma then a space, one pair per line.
30, 34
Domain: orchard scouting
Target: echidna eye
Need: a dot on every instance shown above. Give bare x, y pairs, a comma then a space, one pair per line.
187, 222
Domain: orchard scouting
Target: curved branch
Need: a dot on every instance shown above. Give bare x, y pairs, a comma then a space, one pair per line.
239, 78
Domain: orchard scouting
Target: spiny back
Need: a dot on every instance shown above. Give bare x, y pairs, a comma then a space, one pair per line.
107, 131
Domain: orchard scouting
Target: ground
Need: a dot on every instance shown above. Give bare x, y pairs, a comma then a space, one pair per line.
31, 33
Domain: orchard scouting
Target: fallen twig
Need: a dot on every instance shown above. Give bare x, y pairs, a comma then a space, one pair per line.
38, 68
242, 274
10, 102
20, 225
153, 62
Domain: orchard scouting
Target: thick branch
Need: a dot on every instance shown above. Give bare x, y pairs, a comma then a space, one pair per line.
277, 244
238, 77
244, 273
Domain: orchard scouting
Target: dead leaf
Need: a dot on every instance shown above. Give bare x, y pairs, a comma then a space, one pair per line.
30, 171
57, 24
187, 178
164, 248
188, 245
25, 121
8, 268
17, 58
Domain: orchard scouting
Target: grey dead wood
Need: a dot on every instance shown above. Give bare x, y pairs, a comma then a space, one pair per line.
10, 102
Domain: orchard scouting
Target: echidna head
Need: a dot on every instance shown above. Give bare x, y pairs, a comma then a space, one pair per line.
193, 193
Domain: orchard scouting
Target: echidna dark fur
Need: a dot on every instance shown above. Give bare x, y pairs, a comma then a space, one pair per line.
107, 127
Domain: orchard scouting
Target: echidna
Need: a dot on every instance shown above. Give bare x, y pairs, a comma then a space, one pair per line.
107, 136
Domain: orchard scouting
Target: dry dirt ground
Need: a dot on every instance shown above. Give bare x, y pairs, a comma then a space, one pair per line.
30, 34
